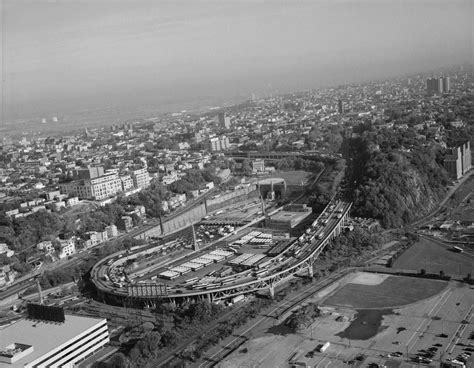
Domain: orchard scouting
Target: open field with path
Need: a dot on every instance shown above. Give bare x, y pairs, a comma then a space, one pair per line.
434, 258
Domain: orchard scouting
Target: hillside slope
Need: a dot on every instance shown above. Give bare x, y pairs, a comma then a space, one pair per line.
393, 176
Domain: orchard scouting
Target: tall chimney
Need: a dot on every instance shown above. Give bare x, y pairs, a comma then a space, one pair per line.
40, 294
196, 247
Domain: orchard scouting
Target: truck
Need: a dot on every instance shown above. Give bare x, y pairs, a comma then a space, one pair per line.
237, 298
324, 347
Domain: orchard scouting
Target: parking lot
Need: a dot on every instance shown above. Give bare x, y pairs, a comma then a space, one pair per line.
421, 333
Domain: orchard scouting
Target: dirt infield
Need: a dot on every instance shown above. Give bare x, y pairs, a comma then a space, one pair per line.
364, 278
394, 291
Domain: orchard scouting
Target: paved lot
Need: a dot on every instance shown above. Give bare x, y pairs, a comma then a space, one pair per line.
407, 330
434, 258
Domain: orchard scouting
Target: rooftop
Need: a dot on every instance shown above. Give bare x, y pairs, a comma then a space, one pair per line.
284, 216
43, 336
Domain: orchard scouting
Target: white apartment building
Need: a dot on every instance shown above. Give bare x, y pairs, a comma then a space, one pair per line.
140, 177
68, 248
98, 188
127, 182
27, 343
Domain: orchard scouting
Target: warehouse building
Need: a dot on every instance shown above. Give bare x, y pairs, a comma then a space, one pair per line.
32, 343
290, 217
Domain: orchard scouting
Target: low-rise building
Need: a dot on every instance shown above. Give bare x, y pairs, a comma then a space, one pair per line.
141, 178
4, 249
258, 166
125, 223
127, 182
46, 246
112, 231
29, 343
91, 239
70, 202
289, 218
67, 248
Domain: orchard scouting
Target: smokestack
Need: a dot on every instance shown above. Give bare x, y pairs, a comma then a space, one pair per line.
40, 294
162, 229
196, 247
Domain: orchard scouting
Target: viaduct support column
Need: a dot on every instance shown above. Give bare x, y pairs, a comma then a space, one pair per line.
310, 271
272, 291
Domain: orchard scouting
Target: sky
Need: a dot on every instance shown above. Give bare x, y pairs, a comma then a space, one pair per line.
65, 56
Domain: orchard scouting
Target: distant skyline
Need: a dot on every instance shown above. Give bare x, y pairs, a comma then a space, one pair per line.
64, 56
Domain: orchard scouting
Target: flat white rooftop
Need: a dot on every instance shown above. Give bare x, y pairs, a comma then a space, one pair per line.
43, 336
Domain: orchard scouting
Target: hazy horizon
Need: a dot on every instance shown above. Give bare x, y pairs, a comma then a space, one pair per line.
64, 57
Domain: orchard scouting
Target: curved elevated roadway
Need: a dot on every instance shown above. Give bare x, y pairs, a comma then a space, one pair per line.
298, 257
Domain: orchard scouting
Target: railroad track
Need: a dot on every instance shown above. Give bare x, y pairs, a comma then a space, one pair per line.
165, 358
224, 353
285, 307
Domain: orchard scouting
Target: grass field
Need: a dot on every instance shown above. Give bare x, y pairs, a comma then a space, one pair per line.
394, 291
434, 258
293, 177
464, 213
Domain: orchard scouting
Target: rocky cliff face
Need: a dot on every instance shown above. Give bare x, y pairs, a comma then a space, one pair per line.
395, 186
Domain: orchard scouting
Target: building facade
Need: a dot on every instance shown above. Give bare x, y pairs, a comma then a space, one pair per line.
127, 182
223, 120
438, 85
97, 188
141, 178
434, 85
68, 248
30, 344
258, 165
340, 107
446, 84
458, 161
219, 143
214, 144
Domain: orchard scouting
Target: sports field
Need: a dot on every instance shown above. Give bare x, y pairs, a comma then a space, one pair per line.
393, 291
362, 337
434, 258
293, 177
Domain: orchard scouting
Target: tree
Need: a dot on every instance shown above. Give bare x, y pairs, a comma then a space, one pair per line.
246, 167
118, 360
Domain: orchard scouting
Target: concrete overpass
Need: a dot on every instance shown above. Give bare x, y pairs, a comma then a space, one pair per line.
274, 155
299, 256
